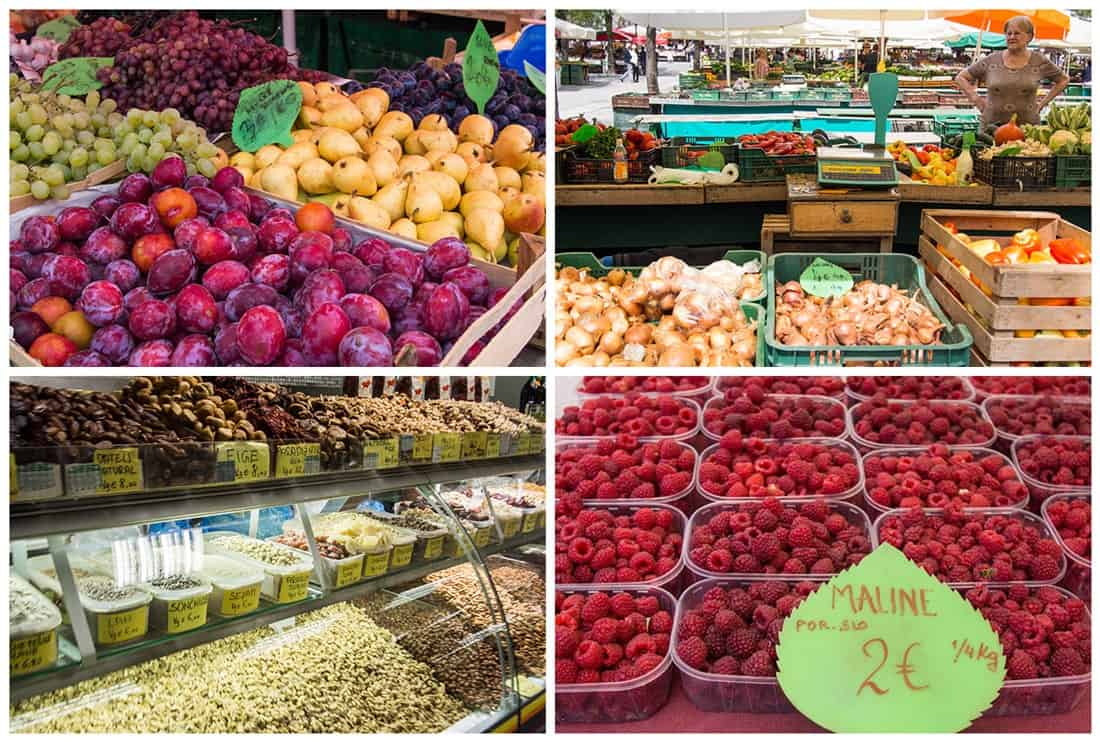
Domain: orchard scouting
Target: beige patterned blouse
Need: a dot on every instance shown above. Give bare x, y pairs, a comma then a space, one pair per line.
1012, 91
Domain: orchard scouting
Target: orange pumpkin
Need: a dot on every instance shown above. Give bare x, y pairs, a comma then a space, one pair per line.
1009, 132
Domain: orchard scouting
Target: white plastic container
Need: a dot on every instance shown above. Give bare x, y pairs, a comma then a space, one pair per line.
340, 572
32, 635
42, 574
699, 393
235, 585
724, 383
1040, 491
115, 622
177, 611
427, 542
376, 559
282, 583
1078, 579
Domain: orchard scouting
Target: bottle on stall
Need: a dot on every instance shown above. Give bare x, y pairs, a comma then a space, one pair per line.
621, 173
964, 163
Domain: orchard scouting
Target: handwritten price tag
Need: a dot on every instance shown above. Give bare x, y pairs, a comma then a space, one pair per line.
119, 470
115, 628
240, 601
885, 647
297, 460
446, 447
32, 652
473, 445
293, 588
265, 114
243, 461
480, 68
349, 573
422, 447
75, 76
492, 445
402, 555
376, 564
822, 278
530, 522
58, 29
187, 614
381, 454
536, 76
433, 548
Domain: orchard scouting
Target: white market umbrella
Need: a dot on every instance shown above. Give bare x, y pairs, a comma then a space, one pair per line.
565, 30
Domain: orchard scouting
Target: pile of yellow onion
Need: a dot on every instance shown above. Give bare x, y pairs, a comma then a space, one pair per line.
870, 314
670, 315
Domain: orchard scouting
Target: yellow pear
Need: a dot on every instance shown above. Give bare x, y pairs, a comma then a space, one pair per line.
246, 172
524, 213
303, 135
507, 193
354, 175
384, 167
536, 162
296, 154
443, 184
391, 197
243, 159
309, 93
480, 200
372, 108
340, 205
481, 177
513, 146
508, 177
472, 153
267, 155
377, 94
280, 180
479, 252
434, 156
326, 88
434, 122
309, 117
534, 182
455, 220
451, 164
477, 129
404, 228
429, 232
504, 249
368, 212
336, 143
412, 164
413, 145
444, 140
256, 179
485, 227
389, 144
315, 176
396, 124
361, 137
422, 203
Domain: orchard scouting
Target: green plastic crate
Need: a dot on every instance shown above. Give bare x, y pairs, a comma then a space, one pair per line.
706, 95
758, 167
1071, 171
892, 268
682, 152
691, 80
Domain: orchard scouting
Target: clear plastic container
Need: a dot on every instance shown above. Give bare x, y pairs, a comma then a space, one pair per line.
1078, 579
287, 583
681, 499
43, 576
849, 495
235, 585
340, 572
631, 700
683, 402
1039, 490
851, 512
722, 383
32, 632
428, 545
875, 508
1023, 516
671, 580
177, 611
866, 445
1009, 401
699, 393
116, 622
968, 392
1046, 385
789, 399
377, 557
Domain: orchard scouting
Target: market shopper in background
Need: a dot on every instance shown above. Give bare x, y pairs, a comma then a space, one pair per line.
868, 63
761, 69
1012, 78
641, 68
631, 65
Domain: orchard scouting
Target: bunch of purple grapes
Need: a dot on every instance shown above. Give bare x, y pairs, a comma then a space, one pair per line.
196, 66
103, 37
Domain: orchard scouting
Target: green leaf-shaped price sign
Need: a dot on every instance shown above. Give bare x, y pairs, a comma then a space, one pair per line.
265, 114
536, 76
75, 76
822, 278
885, 647
58, 29
480, 68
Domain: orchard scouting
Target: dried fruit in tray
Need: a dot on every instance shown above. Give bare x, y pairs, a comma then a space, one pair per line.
895, 423
1056, 385
1061, 463
635, 414
1072, 519
773, 537
608, 638
910, 387
756, 386
938, 477
776, 416
623, 469
756, 467
621, 384
598, 546
1040, 415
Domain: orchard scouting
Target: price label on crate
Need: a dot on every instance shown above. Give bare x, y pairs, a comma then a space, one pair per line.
530, 522
481, 537
297, 460
115, 628
37, 481
480, 67
381, 454
243, 461
376, 564
446, 447
402, 555
885, 647
265, 114
825, 279
187, 614
542, 519
523, 444
422, 447
32, 653
349, 573
241, 600
433, 547
492, 446
112, 471
473, 445
13, 478
509, 527
293, 588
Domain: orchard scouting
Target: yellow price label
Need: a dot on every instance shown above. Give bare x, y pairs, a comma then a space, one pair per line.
542, 519
32, 652
381, 454
530, 522
523, 445
509, 527
13, 481
297, 460
446, 447
293, 588
115, 628
240, 601
376, 564
492, 445
119, 470
481, 537
349, 573
402, 555
473, 445
243, 461
422, 447
187, 614
433, 547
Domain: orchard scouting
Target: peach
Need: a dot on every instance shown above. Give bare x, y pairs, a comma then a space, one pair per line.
315, 217
52, 349
174, 206
150, 247
51, 308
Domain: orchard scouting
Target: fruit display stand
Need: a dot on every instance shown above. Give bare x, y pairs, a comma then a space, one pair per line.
470, 617
701, 699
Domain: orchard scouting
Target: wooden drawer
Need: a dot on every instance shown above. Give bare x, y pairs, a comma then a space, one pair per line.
843, 217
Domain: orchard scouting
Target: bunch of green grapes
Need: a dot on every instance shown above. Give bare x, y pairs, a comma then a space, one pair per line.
57, 139
145, 137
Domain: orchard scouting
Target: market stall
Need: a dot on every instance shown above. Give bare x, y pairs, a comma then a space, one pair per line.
382, 173
223, 555
779, 497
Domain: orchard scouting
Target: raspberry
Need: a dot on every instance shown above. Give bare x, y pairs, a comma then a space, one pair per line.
648, 662
801, 536
660, 623
726, 621
760, 664
604, 557
741, 643
595, 607
1045, 568
1067, 661
589, 655
622, 605
604, 630
580, 550
693, 652
720, 560
645, 518
639, 645
765, 547
565, 642
1021, 666
565, 671
726, 666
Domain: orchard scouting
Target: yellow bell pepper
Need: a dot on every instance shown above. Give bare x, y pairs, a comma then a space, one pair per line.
1028, 239
981, 248
1040, 256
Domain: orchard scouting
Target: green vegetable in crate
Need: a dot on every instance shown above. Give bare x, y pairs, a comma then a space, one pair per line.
1063, 142
1038, 133
602, 144
1020, 148
1076, 118
1084, 145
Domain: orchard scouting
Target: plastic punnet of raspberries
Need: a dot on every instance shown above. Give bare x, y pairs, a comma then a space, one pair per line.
732, 387
598, 546
777, 416
778, 538
1070, 516
910, 387
1044, 632
889, 422
939, 476
622, 384
958, 546
623, 469
1072, 386
636, 414
757, 467
733, 631
1054, 463
603, 637
1040, 415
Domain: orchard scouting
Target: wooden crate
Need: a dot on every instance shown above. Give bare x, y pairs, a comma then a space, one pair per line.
1011, 281
104, 174
911, 190
775, 236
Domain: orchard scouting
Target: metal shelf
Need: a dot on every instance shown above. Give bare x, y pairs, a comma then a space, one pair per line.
35, 519
64, 677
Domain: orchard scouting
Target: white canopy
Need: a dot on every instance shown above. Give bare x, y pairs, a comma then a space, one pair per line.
563, 29
700, 21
